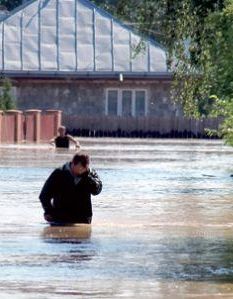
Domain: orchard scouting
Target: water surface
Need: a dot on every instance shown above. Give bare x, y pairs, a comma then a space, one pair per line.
162, 227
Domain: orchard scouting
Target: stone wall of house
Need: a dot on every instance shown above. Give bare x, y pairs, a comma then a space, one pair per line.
88, 98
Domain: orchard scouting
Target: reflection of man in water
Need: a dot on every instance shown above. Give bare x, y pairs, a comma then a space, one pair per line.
66, 195
70, 234
62, 140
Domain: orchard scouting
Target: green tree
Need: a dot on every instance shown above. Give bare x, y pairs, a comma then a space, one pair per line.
207, 85
6, 99
198, 35
10, 4
210, 73
160, 18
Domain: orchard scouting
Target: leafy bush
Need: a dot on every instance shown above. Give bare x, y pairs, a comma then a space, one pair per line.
6, 100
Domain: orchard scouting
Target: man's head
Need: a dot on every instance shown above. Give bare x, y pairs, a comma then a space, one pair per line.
62, 130
80, 163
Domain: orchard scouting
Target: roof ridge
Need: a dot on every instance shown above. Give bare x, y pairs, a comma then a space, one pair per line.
49, 51
99, 9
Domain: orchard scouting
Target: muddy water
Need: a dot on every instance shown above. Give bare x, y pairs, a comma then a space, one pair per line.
162, 227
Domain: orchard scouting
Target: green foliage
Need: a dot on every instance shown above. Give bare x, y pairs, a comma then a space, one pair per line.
10, 4
201, 57
179, 26
198, 36
225, 108
212, 73
218, 55
6, 100
165, 20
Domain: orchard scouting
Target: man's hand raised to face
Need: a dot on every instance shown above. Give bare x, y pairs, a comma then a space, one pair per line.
79, 169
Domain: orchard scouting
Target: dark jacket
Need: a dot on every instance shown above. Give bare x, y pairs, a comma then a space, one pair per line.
68, 198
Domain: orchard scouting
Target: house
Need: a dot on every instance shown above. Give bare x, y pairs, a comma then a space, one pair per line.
73, 56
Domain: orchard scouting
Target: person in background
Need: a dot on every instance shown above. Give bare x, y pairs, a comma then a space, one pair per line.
62, 140
66, 195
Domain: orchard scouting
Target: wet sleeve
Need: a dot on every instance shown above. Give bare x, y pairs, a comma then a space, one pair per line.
48, 191
94, 182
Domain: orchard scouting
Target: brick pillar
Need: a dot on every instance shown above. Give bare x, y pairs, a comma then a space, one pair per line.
1, 117
33, 125
17, 124
57, 119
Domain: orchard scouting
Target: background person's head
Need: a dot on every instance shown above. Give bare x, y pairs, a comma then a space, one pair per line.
62, 131
80, 163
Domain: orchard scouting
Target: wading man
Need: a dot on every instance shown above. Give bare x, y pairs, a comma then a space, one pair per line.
66, 195
62, 140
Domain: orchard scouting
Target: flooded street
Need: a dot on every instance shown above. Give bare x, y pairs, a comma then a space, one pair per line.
162, 227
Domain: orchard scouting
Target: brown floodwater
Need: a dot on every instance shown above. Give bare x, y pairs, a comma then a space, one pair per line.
162, 227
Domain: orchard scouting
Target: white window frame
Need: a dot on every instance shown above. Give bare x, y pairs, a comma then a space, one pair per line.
119, 100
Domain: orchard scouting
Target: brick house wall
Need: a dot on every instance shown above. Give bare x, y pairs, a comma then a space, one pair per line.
88, 97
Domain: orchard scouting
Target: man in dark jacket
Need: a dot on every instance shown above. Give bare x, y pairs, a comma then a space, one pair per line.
66, 195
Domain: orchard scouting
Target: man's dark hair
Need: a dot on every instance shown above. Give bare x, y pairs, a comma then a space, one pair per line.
82, 158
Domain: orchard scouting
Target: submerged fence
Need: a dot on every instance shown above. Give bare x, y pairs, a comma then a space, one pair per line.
163, 127
36, 126
28, 126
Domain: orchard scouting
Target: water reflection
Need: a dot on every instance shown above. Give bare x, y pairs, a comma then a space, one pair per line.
67, 234
78, 239
193, 259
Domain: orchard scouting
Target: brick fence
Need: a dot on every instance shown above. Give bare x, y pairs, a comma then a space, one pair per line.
36, 126
28, 126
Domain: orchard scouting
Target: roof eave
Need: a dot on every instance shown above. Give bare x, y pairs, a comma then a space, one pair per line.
87, 75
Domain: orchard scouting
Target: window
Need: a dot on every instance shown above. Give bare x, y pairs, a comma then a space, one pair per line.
112, 102
140, 105
126, 102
